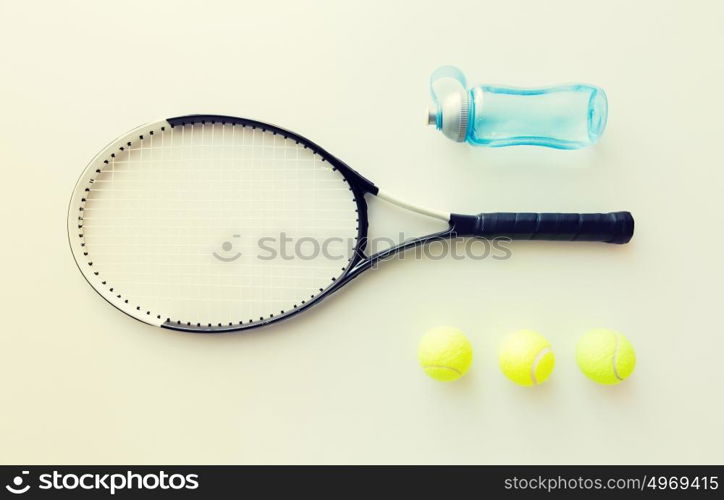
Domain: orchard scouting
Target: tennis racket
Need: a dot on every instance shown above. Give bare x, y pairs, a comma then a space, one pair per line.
167, 222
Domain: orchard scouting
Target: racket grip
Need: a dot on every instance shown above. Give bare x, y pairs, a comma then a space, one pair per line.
614, 227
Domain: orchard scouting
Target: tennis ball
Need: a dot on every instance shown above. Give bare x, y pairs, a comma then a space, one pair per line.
526, 357
445, 353
605, 356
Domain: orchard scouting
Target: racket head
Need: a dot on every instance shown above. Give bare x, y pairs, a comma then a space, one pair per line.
154, 218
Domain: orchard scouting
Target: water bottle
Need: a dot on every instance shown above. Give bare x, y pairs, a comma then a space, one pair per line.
563, 117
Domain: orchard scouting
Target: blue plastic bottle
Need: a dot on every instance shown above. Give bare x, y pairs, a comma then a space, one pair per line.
563, 117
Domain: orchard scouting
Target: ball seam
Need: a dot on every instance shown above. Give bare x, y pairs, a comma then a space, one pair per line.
536, 361
615, 358
445, 367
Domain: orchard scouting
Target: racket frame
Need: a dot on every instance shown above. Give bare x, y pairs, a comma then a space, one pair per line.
359, 186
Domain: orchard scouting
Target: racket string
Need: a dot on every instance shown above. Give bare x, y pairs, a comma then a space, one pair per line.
233, 179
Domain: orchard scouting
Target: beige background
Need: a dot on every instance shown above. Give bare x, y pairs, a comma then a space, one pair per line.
81, 382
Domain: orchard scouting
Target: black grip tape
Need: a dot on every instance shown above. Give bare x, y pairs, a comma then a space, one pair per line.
614, 227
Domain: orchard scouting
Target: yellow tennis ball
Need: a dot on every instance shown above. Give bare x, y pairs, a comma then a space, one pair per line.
526, 357
445, 353
605, 356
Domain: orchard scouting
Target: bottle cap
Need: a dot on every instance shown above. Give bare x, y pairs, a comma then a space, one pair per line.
451, 111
